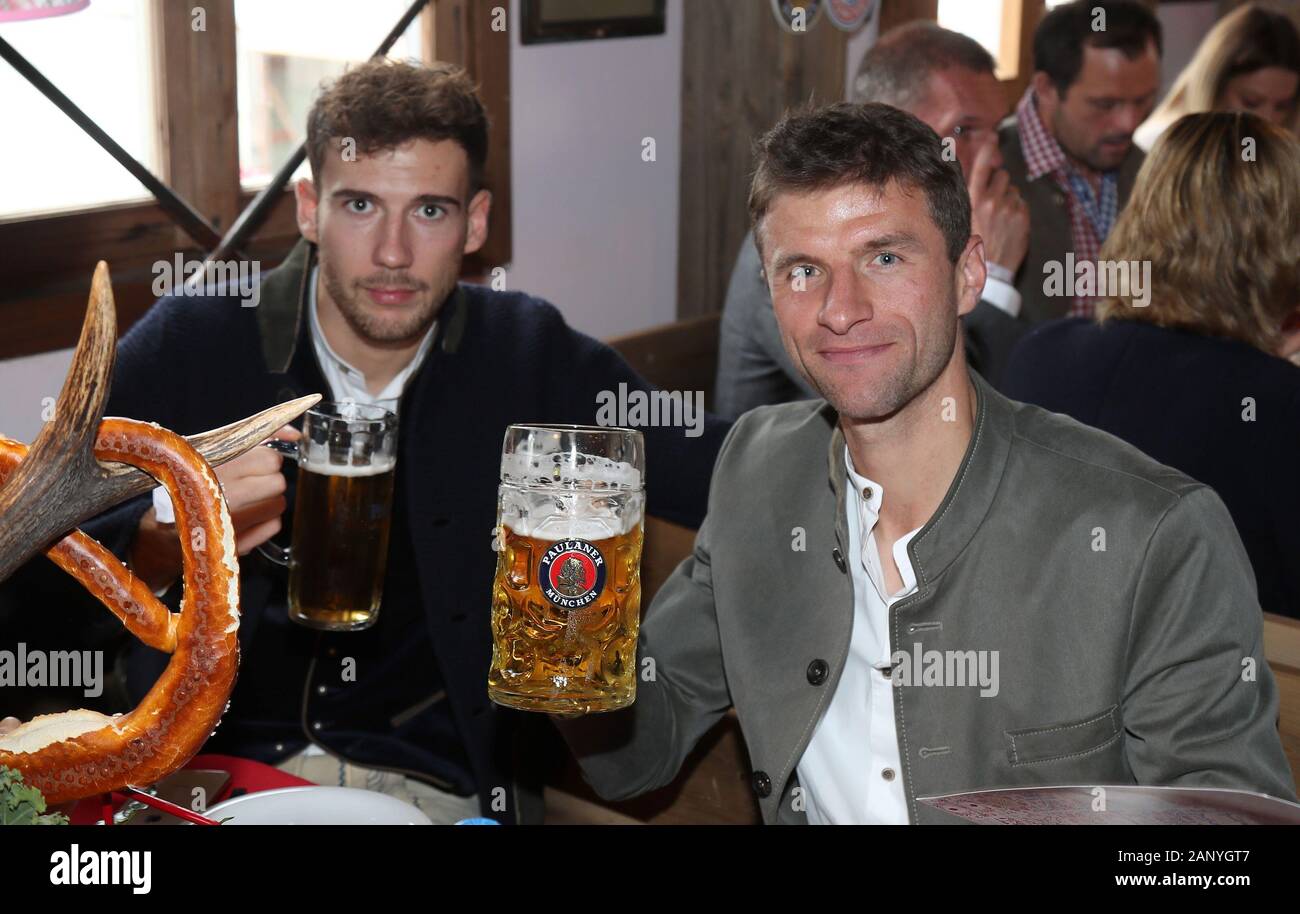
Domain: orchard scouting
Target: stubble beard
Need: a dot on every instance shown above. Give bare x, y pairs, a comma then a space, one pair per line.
404, 328
1089, 156
900, 388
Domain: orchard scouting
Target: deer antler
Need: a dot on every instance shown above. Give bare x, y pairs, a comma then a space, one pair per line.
60, 483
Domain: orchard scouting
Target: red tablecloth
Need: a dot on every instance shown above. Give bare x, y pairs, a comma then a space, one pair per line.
246, 776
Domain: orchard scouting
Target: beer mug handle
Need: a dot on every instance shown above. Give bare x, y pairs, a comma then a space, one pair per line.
271, 550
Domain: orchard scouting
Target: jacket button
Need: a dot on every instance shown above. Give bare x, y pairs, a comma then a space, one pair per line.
817, 671
762, 783
839, 560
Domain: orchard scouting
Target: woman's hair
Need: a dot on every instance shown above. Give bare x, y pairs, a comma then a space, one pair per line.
1216, 212
1249, 38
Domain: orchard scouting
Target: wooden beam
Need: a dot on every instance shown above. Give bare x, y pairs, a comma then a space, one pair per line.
1031, 13
198, 113
740, 72
462, 33
1011, 40
894, 13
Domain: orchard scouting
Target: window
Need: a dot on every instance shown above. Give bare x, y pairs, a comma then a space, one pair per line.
995, 24
213, 107
286, 50
97, 57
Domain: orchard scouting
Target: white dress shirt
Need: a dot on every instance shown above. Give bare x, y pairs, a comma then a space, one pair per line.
348, 383
851, 772
345, 382
999, 289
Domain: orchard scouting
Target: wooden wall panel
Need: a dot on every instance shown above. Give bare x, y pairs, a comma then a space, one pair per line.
894, 13
43, 298
1031, 13
740, 72
461, 31
197, 105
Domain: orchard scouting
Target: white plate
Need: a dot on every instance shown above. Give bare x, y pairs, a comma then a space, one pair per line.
318, 806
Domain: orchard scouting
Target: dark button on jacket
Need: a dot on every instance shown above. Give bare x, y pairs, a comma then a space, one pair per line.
818, 671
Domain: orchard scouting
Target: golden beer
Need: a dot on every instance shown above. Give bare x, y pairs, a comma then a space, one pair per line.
549, 656
347, 461
340, 545
566, 598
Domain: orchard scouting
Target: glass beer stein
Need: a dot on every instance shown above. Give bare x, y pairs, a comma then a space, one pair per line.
566, 599
347, 460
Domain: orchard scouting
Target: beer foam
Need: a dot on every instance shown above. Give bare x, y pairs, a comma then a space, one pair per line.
326, 468
568, 514
563, 469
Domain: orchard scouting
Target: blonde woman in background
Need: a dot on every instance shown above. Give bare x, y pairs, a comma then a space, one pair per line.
1192, 366
1249, 61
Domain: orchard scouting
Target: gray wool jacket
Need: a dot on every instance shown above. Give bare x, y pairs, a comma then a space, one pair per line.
1115, 591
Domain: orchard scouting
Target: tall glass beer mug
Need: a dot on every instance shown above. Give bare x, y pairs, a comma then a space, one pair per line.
566, 600
347, 460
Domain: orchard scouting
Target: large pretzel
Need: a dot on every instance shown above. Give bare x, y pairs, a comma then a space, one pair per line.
58, 483
81, 753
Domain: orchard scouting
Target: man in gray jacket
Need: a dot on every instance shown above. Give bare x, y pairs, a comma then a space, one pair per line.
947, 80
916, 586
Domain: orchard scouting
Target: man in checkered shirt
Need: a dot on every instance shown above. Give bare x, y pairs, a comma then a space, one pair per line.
1069, 146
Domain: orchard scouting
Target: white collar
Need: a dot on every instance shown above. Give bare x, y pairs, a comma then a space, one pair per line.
340, 374
869, 497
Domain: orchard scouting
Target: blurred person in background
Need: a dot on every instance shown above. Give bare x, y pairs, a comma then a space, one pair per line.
1249, 61
1199, 378
1069, 148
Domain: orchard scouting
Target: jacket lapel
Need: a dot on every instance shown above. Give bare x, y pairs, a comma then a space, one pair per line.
970, 496
279, 313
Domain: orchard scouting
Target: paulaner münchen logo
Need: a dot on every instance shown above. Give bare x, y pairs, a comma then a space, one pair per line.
572, 573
